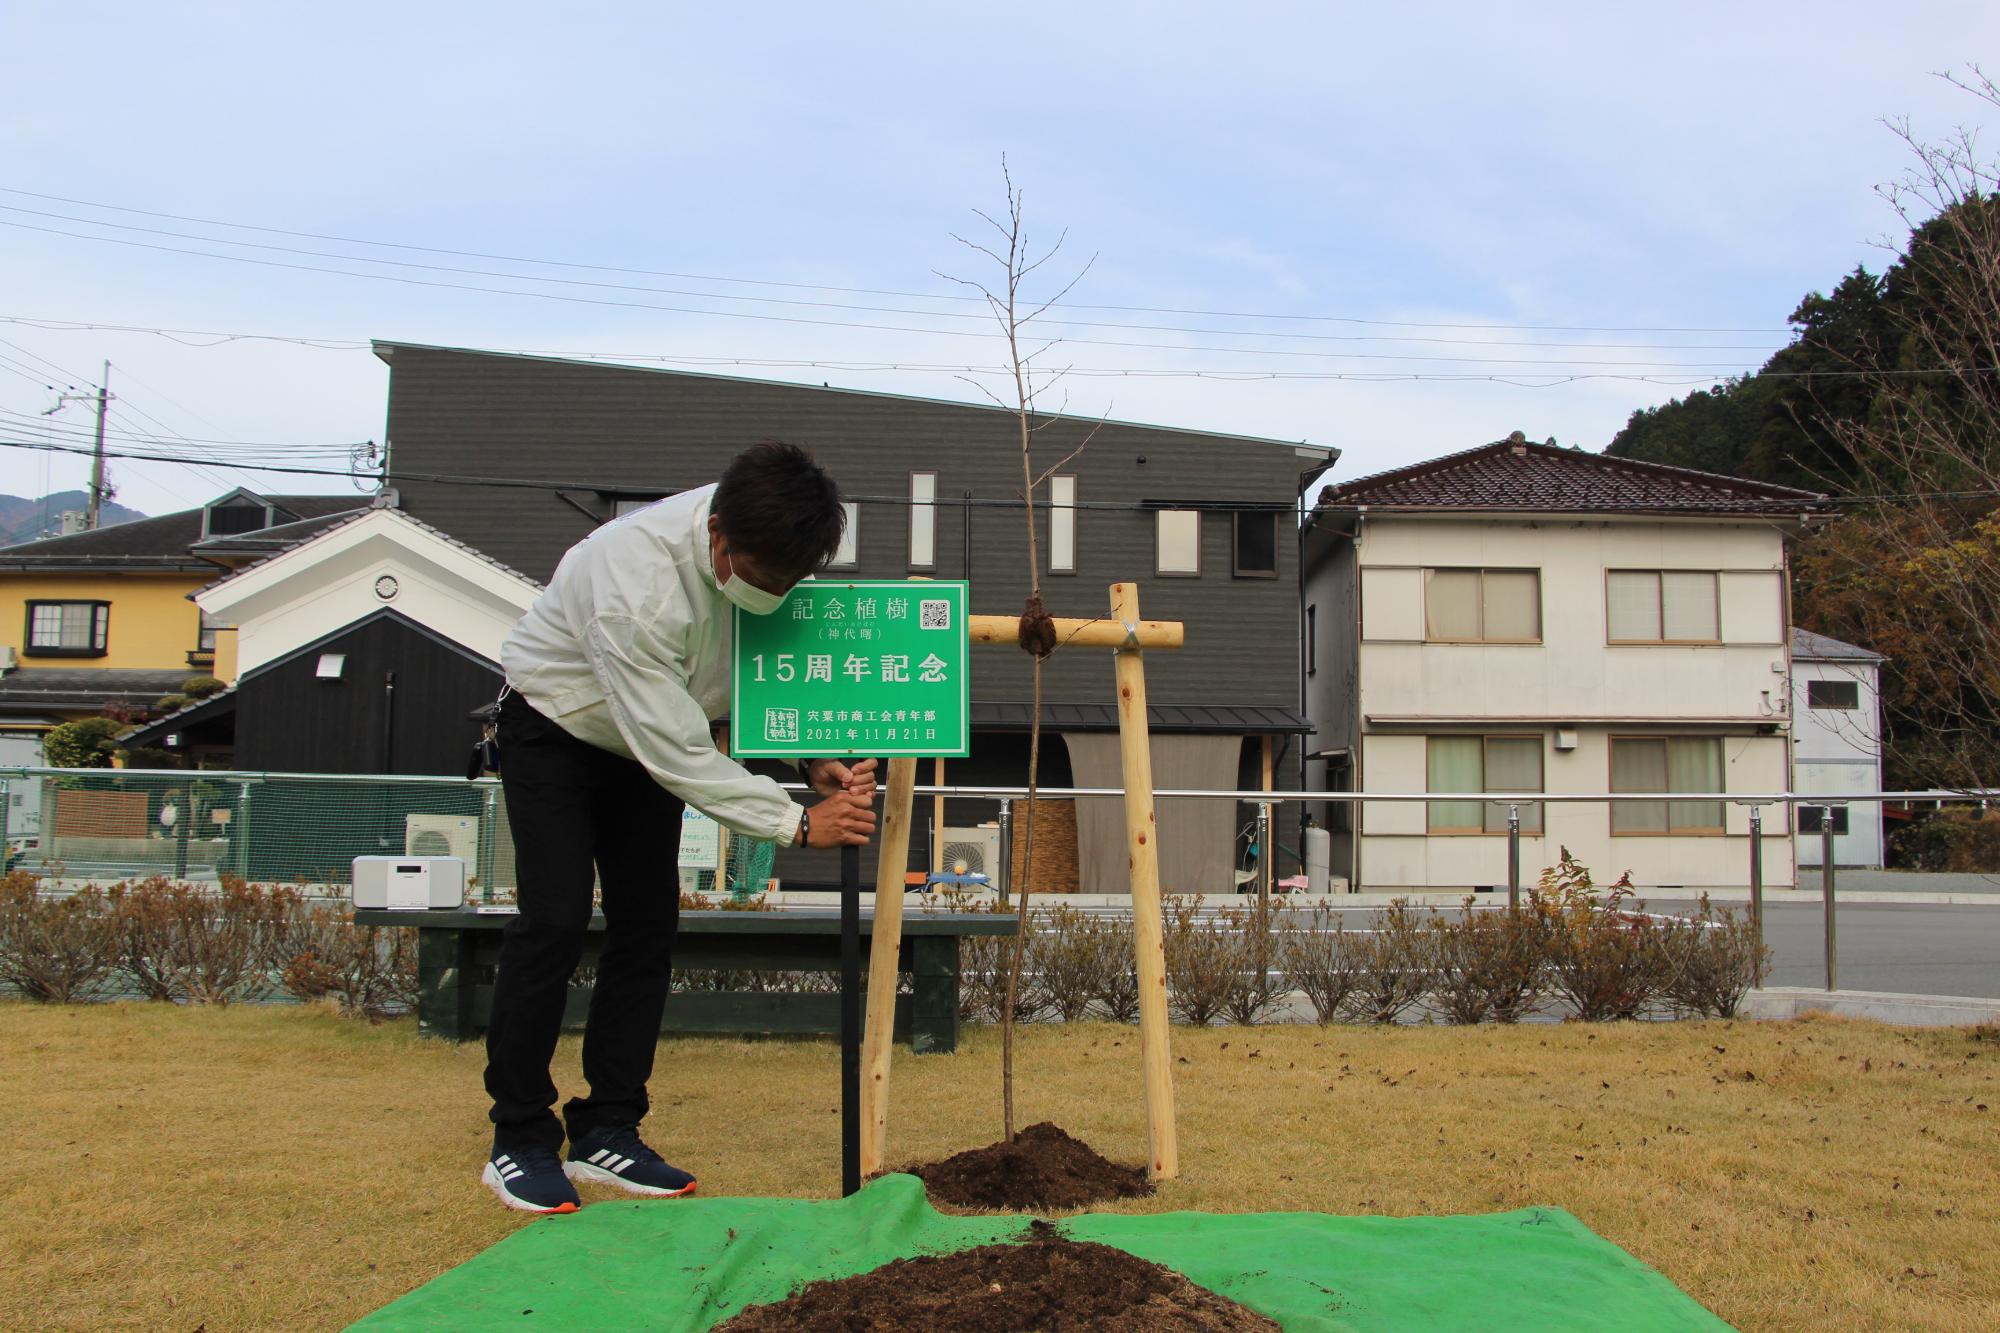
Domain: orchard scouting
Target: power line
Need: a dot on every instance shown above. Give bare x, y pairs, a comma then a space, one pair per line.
1246, 374
980, 317
951, 298
407, 280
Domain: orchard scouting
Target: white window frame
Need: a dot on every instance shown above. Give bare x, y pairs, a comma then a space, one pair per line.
1854, 685
923, 520
97, 630
848, 554
1062, 525
1160, 535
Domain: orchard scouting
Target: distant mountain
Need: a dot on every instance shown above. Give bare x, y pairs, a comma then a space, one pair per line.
23, 520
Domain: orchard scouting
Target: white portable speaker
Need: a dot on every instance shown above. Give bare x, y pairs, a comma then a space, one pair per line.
409, 883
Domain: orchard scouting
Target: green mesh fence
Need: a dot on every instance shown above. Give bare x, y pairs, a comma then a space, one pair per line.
109, 824
746, 870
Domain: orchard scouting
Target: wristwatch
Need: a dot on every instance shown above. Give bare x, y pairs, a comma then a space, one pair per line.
805, 827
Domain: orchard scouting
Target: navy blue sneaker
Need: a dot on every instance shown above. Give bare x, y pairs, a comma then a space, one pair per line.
531, 1180
617, 1156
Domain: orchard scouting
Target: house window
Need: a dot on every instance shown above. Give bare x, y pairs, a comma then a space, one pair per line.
1482, 606
1666, 764
1661, 606
846, 556
622, 505
209, 625
1812, 818
1256, 546
1511, 764
229, 517
1312, 639
69, 629
1178, 542
923, 520
1833, 694
1062, 525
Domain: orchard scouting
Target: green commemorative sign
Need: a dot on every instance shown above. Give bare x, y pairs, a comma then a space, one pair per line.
870, 667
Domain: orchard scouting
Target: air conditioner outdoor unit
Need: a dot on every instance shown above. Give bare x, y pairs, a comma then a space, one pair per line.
442, 835
978, 847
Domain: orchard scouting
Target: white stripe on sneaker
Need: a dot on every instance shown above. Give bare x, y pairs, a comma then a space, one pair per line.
597, 1158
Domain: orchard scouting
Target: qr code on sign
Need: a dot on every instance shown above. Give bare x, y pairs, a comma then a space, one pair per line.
934, 613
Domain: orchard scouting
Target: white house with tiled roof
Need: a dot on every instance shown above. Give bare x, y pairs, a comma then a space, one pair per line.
1837, 743
1522, 620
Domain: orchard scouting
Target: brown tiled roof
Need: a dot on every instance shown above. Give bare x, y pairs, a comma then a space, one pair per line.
162, 541
1514, 476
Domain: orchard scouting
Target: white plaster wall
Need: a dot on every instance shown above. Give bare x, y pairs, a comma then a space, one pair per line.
1397, 853
1573, 672
1839, 750
321, 586
1840, 734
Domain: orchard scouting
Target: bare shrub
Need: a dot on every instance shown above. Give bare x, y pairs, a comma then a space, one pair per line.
399, 986
1202, 956
1604, 961
184, 942
318, 953
61, 950
982, 982
1489, 965
1259, 989
1393, 966
1316, 959
1115, 978
1722, 962
1065, 956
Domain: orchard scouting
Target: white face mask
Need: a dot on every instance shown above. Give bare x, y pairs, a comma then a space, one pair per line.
741, 592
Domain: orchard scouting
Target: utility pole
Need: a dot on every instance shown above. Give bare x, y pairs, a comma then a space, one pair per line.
103, 397
97, 456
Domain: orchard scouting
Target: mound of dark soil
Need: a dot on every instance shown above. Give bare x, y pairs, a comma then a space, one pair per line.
1046, 1283
1042, 1168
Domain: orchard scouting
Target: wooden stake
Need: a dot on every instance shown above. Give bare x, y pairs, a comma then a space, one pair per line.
1143, 856
1267, 855
1082, 633
883, 959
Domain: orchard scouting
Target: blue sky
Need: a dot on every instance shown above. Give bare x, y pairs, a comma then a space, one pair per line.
1374, 176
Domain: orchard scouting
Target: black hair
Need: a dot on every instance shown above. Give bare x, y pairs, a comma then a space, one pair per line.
780, 508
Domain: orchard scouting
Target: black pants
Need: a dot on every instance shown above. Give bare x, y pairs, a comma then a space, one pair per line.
573, 806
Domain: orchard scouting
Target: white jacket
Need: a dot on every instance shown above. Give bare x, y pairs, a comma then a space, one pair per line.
627, 649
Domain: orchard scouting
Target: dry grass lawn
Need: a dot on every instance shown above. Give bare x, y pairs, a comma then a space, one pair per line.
285, 1168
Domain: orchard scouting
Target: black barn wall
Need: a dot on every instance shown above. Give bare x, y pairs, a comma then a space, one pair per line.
288, 720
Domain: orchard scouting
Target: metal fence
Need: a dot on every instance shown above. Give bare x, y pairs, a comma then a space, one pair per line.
306, 829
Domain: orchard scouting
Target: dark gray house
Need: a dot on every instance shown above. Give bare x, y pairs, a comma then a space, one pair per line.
519, 457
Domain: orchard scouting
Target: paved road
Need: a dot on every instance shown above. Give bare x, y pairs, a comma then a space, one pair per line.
1902, 881
1911, 949
1914, 949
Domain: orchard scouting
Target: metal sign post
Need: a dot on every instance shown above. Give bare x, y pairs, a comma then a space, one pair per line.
850, 1019
868, 667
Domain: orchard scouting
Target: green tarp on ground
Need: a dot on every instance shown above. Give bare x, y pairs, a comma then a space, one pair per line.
689, 1263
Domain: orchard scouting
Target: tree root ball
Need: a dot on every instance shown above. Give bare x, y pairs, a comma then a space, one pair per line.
1042, 1168
1038, 629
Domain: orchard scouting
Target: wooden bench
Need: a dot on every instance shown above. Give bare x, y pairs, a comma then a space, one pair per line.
457, 950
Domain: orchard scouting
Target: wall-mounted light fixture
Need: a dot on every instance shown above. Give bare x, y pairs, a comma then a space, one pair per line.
331, 665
